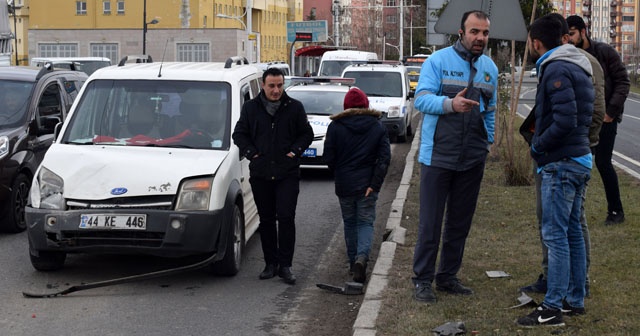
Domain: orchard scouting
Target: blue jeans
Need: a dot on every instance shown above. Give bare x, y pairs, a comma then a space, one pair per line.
358, 215
563, 184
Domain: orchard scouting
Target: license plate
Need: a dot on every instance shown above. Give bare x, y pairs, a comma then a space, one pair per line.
309, 152
113, 222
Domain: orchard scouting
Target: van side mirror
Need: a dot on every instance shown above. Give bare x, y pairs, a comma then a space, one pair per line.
48, 124
411, 93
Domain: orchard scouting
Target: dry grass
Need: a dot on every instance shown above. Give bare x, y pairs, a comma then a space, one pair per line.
504, 237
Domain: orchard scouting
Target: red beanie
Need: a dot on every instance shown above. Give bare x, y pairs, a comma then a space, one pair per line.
355, 98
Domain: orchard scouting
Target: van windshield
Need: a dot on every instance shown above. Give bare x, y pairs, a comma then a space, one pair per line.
378, 83
14, 96
152, 113
335, 68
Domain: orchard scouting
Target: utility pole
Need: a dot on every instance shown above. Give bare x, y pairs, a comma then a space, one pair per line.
335, 9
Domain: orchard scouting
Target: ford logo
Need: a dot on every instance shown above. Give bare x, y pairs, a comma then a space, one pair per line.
118, 191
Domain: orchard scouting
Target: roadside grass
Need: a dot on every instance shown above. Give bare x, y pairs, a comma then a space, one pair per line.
504, 236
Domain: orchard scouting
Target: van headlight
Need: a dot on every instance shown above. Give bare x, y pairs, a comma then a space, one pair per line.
4, 146
47, 190
195, 194
393, 112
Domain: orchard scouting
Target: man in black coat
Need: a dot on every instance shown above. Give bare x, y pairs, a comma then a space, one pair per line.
357, 150
616, 89
273, 132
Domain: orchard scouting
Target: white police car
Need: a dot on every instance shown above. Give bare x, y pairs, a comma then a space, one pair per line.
321, 97
145, 164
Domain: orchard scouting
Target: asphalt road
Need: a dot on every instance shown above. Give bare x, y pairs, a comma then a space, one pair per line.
193, 303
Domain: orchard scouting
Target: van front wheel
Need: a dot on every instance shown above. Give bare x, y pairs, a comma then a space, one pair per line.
230, 264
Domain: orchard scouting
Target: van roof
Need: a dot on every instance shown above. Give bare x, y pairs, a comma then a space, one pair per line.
195, 71
70, 59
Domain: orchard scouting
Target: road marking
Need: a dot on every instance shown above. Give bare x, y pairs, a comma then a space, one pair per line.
630, 116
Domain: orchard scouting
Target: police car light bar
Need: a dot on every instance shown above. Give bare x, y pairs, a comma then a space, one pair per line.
332, 80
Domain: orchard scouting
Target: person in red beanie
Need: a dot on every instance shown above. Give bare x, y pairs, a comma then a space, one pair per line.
357, 151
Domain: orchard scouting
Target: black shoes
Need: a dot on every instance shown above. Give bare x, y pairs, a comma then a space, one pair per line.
360, 270
614, 217
424, 293
268, 272
454, 287
540, 286
542, 316
286, 275
568, 310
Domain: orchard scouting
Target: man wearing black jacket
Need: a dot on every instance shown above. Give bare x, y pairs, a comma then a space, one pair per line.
273, 132
616, 90
357, 151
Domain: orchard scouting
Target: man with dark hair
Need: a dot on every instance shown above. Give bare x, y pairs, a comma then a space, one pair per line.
272, 132
540, 285
560, 147
456, 94
616, 90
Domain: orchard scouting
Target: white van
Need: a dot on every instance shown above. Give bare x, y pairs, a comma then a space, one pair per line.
282, 65
145, 164
87, 65
334, 62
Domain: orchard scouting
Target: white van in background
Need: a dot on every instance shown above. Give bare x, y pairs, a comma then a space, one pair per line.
282, 65
87, 65
334, 62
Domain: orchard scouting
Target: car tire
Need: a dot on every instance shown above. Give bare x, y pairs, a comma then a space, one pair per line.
231, 262
13, 219
48, 261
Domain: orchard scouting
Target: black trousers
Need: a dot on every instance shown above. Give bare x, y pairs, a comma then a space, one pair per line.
276, 201
604, 153
458, 192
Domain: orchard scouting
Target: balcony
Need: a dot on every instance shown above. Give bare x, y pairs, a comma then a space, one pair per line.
612, 24
614, 4
586, 12
613, 34
586, 3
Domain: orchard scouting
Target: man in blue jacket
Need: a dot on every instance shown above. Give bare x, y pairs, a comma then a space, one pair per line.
357, 150
456, 93
560, 147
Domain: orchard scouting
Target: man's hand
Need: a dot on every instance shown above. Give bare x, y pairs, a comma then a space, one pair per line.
462, 104
607, 118
369, 191
291, 154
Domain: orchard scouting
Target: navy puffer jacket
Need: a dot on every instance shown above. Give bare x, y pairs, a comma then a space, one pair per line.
357, 150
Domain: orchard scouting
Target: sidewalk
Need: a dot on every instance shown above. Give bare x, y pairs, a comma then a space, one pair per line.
365, 324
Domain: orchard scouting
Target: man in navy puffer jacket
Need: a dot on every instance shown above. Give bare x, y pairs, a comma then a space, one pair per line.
357, 150
560, 147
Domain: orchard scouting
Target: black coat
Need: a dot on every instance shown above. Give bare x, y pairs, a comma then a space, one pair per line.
616, 86
357, 150
271, 138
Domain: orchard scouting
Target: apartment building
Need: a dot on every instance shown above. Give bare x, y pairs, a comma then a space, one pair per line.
173, 30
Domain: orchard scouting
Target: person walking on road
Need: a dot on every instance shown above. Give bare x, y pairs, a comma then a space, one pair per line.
456, 93
560, 147
272, 132
616, 90
357, 151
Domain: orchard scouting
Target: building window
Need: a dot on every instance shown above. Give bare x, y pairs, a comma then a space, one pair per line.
193, 52
391, 3
390, 35
57, 50
106, 7
391, 19
120, 6
81, 8
108, 50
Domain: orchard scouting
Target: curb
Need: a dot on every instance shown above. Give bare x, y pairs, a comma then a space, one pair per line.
365, 324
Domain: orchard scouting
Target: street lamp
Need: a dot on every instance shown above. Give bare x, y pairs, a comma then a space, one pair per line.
247, 52
247, 27
432, 48
397, 48
144, 27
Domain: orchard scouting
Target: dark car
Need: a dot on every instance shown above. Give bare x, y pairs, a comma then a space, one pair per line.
34, 100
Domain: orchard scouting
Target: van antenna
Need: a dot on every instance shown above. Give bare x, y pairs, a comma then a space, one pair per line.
162, 61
